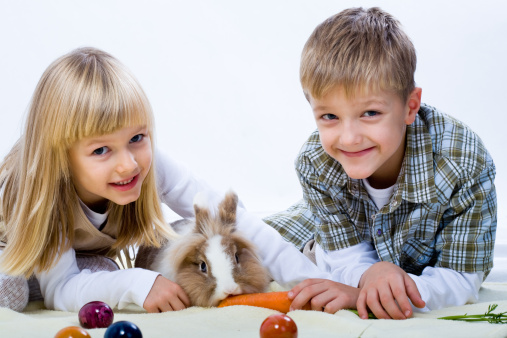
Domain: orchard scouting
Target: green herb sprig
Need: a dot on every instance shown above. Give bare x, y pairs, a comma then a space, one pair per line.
489, 316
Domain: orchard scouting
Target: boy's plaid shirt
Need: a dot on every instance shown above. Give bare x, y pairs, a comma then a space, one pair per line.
442, 212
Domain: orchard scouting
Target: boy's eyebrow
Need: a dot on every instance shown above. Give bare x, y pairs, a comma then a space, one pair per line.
376, 100
319, 108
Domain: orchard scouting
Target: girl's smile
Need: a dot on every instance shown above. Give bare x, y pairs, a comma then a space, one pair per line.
126, 185
111, 167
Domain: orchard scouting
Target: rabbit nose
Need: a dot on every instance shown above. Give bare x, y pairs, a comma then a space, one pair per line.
233, 290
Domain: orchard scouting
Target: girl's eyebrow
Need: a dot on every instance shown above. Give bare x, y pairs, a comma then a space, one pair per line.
101, 139
89, 141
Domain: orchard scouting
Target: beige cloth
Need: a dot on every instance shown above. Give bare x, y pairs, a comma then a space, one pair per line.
245, 321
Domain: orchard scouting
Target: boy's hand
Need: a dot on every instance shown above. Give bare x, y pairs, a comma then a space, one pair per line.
165, 295
386, 290
323, 295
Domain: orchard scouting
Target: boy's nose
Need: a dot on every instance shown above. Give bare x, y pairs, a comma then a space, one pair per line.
350, 135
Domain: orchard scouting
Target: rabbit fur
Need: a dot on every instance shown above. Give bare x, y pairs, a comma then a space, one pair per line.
210, 260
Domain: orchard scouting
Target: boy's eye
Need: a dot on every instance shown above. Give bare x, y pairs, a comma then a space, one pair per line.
100, 151
137, 138
370, 113
329, 117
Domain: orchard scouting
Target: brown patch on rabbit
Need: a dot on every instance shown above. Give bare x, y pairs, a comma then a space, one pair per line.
213, 261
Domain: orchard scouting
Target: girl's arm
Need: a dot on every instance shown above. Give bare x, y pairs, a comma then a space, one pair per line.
65, 288
284, 261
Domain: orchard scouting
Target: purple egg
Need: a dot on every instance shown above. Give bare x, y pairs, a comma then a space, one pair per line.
95, 315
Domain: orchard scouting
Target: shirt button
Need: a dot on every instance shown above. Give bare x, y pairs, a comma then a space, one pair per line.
379, 232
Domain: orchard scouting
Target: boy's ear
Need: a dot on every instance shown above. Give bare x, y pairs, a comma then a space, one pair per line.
413, 105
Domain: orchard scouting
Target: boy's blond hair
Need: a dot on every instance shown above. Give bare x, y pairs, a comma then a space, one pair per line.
359, 49
84, 93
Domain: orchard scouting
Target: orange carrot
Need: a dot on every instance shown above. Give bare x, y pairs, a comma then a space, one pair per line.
278, 301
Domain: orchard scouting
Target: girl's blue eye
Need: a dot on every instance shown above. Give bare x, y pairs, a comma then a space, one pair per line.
329, 117
370, 113
100, 151
137, 138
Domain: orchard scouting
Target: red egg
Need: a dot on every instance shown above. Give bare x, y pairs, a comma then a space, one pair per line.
95, 315
279, 326
72, 332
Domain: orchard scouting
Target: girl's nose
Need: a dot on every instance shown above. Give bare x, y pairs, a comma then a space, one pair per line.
126, 162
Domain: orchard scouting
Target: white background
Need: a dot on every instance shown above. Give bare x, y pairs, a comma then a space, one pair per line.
222, 76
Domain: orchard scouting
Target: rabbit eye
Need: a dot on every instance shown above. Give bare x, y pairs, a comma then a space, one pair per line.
237, 258
203, 267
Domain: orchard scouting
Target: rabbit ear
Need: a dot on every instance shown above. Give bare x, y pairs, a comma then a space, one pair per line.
202, 214
227, 208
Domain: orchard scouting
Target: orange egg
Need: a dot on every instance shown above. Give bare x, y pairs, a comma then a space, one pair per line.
72, 332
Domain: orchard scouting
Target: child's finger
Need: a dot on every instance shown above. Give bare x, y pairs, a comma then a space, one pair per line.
388, 303
375, 306
399, 293
163, 306
361, 305
299, 287
183, 298
177, 304
403, 307
335, 305
413, 293
300, 301
310, 289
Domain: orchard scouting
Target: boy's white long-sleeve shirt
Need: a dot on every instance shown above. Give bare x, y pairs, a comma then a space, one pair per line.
439, 287
66, 288
441, 212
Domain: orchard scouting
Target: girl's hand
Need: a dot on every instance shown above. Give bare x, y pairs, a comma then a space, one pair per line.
165, 295
386, 290
323, 295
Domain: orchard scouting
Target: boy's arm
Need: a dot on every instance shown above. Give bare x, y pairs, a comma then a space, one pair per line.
347, 265
384, 290
464, 246
467, 240
441, 287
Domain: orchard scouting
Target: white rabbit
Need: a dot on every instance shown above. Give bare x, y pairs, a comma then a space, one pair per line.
211, 261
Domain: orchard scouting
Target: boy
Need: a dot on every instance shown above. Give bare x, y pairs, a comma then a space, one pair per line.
399, 200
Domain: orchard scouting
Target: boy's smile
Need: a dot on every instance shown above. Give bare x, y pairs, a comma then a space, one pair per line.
365, 132
111, 167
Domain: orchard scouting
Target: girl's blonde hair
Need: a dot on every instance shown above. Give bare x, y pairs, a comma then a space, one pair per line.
84, 93
359, 49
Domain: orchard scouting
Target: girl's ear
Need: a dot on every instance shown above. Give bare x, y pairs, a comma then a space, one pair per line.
413, 105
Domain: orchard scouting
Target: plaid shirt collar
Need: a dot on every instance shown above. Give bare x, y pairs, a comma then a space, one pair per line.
415, 184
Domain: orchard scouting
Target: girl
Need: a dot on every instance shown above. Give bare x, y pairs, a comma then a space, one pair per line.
83, 183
